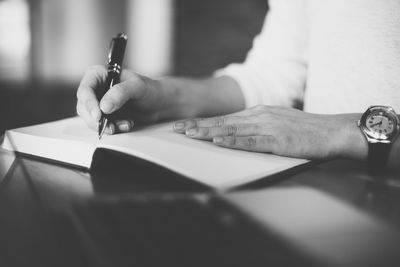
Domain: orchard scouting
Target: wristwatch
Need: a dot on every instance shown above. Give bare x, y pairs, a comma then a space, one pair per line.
381, 126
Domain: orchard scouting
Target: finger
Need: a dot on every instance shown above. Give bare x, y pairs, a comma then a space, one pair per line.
182, 126
94, 77
208, 133
91, 105
92, 80
126, 74
265, 143
233, 118
110, 128
84, 114
119, 94
124, 126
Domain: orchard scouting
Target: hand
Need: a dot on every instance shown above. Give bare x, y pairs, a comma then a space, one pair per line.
136, 99
281, 131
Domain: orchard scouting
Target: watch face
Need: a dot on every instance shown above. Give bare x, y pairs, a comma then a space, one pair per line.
380, 125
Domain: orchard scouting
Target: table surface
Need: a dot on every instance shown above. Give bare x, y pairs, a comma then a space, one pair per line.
333, 211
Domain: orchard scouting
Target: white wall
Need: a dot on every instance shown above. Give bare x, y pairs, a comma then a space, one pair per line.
15, 40
70, 38
150, 31
76, 34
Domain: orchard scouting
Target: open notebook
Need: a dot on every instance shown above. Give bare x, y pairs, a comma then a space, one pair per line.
70, 141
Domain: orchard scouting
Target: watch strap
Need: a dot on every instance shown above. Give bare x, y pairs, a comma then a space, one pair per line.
378, 155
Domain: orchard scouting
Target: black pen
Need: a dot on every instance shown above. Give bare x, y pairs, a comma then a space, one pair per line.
114, 68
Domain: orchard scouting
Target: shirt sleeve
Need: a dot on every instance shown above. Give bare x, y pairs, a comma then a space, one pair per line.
274, 72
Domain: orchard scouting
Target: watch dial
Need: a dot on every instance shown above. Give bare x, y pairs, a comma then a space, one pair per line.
380, 125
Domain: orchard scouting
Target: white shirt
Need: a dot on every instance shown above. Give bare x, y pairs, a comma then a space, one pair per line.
337, 56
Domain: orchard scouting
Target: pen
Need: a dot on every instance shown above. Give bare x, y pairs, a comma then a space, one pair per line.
113, 65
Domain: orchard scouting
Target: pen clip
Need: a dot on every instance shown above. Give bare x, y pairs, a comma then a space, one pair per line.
116, 52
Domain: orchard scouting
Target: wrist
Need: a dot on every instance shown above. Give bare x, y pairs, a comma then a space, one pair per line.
183, 98
178, 98
353, 143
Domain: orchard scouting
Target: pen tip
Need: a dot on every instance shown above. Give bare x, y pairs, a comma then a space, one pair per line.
102, 127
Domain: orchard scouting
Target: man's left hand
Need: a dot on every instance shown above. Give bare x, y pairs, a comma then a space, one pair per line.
280, 131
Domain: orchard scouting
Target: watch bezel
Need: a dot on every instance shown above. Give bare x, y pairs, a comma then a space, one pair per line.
385, 111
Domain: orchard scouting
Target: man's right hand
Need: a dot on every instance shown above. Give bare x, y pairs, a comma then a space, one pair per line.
135, 100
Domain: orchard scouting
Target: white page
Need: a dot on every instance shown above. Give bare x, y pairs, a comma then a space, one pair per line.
66, 140
199, 160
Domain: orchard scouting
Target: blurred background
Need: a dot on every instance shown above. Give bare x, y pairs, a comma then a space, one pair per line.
45, 45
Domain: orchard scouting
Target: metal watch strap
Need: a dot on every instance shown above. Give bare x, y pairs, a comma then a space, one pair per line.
378, 154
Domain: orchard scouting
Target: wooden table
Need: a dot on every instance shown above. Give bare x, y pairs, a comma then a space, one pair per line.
334, 212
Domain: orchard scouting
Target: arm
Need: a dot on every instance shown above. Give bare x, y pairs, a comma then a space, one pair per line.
200, 97
141, 100
275, 69
273, 73
286, 132
277, 130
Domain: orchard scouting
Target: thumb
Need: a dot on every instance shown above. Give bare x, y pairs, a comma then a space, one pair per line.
119, 94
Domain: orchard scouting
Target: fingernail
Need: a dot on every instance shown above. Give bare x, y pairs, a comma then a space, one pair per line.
191, 132
218, 140
106, 106
95, 114
110, 129
179, 126
124, 126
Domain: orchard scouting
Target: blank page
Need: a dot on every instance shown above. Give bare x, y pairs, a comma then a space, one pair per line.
197, 159
71, 141
67, 140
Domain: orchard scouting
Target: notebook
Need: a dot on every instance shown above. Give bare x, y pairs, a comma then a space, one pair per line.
71, 141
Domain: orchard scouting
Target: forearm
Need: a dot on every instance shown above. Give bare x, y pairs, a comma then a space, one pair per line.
185, 98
